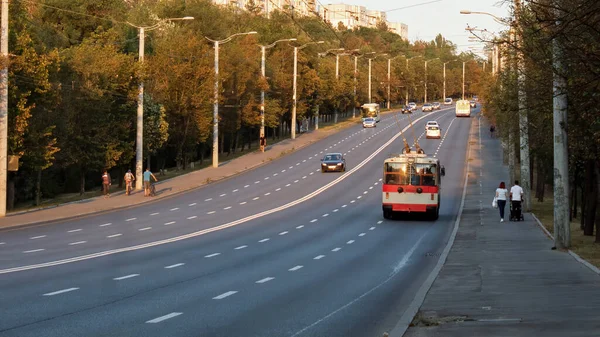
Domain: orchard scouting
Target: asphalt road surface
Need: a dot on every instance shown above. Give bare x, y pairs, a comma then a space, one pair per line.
282, 250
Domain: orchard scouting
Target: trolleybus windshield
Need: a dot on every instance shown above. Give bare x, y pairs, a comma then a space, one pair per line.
398, 173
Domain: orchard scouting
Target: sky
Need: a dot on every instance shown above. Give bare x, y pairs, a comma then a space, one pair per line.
431, 17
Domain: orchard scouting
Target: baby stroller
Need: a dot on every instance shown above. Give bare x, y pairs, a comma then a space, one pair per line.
515, 212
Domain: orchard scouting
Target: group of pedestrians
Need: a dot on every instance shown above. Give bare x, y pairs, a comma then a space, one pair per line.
129, 179
502, 195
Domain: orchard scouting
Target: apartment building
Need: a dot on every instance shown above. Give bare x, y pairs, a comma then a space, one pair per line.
359, 16
399, 28
300, 7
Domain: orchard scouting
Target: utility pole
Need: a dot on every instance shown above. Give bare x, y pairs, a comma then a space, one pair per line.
4, 109
444, 81
139, 136
215, 151
293, 122
523, 119
355, 83
389, 77
370, 79
562, 227
463, 82
425, 98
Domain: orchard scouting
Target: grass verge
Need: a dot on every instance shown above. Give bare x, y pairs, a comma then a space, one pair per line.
582, 245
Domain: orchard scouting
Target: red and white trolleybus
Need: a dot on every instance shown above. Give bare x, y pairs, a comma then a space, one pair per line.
411, 184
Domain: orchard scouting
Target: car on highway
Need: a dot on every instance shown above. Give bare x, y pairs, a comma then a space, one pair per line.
436, 105
431, 123
427, 107
473, 104
448, 101
413, 106
475, 98
406, 110
333, 162
433, 131
369, 123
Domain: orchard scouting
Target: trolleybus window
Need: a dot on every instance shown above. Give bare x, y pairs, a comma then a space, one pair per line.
410, 174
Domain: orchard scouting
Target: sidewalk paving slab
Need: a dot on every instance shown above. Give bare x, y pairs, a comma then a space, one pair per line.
503, 279
172, 186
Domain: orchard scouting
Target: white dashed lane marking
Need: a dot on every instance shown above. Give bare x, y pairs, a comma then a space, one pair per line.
74, 230
268, 193
243, 203
283, 233
131, 219
379, 222
174, 265
246, 186
106, 224
174, 209
234, 191
77, 243
241, 247
264, 240
126, 277
34, 251
266, 279
224, 295
169, 223
164, 318
278, 189
209, 199
213, 255
325, 215
318, 257
211, 212
37, 237
114, 235
226, 208
361, 234
350, 242
192, 204
313, 220
60, 291
191, 217
155, 213
301, 226
372, 228
144, 229
222, 195
295, 268
336, 249
335, 210
255, 198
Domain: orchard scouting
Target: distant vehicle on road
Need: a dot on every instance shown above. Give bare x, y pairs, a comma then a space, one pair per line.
369, 122
436, 105
473, 104
412, 105
475, 98
406, 110
431, 123
333, 162
433, 131
427, 107
463, 108
448, 101
370, 110
411, 184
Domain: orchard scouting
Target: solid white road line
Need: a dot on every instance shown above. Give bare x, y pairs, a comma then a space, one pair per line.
191, 217
114, 235
213, 255
174, 265
169, 223
164, 318
264, 240
336, 249
224, 295
144, 229
126, 277
106, 224
77, 243
61, 291
74, 230
318, 257
33, 251
37, 237
295, 268
241, 247
266, 279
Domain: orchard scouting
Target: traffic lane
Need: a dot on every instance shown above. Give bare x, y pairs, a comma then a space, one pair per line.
257, 182
119, 231
200, 290
375, 209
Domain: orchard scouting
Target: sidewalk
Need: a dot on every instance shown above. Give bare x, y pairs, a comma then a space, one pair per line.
171, 186
503, 279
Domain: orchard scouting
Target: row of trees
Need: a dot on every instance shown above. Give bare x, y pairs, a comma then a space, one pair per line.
74, 78
572, 25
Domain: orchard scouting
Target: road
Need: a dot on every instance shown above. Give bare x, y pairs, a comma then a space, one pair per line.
282, 250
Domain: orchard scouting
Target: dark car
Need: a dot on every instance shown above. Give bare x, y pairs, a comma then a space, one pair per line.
406, 109
473, 104
333, 162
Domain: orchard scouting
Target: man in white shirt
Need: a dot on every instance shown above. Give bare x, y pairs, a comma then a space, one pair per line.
516, 196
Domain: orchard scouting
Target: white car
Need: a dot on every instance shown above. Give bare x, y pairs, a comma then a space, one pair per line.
369, 123
448, 101
427, 107
431, 123
433, 131
412, 105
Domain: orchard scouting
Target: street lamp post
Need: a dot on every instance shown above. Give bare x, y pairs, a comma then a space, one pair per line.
408, 59
356, 57
426, 61
262, 91
294, 97
215, 150
370, 62
139, 137
445, 77
4, 109
389, 78
463, 81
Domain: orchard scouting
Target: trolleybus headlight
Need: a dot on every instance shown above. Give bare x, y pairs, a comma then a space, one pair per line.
400, 189
419, 190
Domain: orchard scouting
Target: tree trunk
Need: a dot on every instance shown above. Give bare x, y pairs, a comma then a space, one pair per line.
148, 160
38, 187
222, 146
592, 196
82, 182
122, 176
10, 197
597, 181
237, 140
583, 210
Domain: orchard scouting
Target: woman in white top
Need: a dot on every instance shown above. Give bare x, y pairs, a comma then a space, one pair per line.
501, 196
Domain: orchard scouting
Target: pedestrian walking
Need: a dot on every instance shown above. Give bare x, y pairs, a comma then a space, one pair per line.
147, 176
501, 195
492, 129
106, 182
129, 178
516, 197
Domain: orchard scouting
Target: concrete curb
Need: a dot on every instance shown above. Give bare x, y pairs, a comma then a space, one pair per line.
151, 201
409, 314
572, 253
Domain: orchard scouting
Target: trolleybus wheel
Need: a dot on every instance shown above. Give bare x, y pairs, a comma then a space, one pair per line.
387, 214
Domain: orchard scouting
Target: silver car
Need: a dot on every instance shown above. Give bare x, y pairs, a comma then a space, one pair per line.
369, 123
